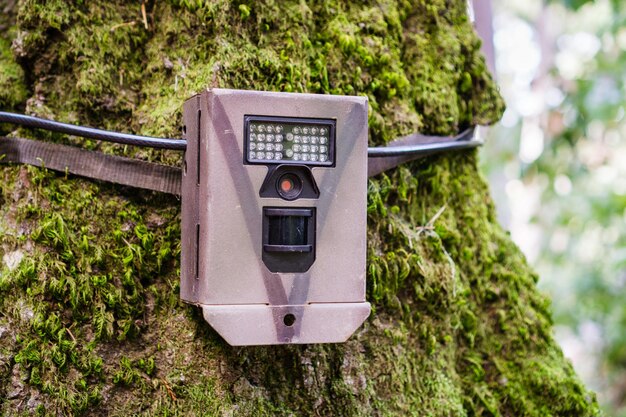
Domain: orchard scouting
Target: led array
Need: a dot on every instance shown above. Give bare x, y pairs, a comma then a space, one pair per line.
290, 142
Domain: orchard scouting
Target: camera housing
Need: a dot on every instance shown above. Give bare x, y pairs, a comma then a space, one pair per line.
274, 215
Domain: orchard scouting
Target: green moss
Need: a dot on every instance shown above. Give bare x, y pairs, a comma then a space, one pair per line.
12, 88
93, 319
13, 91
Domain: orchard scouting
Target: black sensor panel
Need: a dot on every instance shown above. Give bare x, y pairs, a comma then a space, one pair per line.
288, 238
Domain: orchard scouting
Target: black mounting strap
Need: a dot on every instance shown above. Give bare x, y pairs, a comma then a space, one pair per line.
90, 164
416, 146
90, 132
167, 179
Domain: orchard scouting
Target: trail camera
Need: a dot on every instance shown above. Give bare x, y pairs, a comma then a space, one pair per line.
274, 215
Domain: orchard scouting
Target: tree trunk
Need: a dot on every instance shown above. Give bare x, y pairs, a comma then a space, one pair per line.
90, 318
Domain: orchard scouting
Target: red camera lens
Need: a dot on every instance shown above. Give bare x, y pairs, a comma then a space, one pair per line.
289, 186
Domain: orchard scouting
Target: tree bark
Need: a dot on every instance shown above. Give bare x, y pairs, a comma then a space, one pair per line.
90, 318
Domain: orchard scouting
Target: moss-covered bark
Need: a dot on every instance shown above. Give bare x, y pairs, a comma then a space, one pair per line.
90, 320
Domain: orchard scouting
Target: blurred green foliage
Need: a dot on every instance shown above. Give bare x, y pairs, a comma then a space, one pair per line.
581, 179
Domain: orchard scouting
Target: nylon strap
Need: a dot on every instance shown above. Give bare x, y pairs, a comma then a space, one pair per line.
90, 164
165, 178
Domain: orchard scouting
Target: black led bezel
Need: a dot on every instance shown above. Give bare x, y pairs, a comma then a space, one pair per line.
331, 124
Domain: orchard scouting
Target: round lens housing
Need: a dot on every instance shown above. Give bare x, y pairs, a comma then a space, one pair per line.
289, 186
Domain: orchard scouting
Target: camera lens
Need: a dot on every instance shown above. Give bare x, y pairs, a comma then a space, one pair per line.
289, 186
